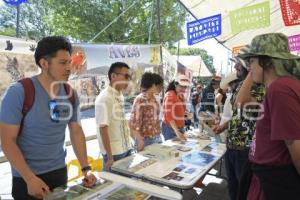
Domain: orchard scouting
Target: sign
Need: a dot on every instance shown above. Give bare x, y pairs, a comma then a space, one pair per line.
294, 42
251, 17
14, 2
290, 10
203, 29
236, 50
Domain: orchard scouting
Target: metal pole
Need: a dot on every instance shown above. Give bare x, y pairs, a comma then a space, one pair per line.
18, 22
159, 28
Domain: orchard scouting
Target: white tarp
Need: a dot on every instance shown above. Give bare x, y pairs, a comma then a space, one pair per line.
206, 8
194, 63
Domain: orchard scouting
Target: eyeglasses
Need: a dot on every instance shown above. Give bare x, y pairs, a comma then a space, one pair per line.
54, 112
127, 76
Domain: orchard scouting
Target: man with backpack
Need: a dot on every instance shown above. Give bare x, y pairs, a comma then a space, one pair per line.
33, 119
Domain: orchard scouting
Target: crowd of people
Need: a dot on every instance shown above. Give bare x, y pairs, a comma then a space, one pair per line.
256, 110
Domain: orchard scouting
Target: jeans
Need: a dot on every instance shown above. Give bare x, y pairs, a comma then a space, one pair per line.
150, 140
234, 162
56, 178
168, 131
116, 157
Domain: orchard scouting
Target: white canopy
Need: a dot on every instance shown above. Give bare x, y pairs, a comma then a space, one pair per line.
205, 8
194, 63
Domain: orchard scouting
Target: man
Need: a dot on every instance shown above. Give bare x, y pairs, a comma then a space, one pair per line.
113, 130
275, 150
240, 131
208, 95
37, 153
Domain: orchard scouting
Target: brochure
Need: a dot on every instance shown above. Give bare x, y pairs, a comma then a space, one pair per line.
199, 158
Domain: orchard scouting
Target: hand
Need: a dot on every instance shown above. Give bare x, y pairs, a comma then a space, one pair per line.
181, 136
110, 162
89, 179
37, 188
140, 144
218, 129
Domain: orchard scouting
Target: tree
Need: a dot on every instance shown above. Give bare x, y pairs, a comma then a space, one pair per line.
82, 20
207, 59
32, 19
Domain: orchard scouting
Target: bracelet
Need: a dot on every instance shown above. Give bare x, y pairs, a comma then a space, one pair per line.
86, 168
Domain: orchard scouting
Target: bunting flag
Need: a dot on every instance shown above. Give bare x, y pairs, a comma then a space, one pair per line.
251, 17
14, 2
203, 29
294, 42
236, 50
290, 10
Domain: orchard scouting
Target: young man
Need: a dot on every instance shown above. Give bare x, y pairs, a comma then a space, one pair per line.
275, 150
113, 131
37, 153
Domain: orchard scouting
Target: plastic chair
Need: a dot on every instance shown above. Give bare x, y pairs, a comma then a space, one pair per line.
96, 165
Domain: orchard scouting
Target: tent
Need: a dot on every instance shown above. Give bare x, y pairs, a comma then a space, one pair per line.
194, 63
205, 8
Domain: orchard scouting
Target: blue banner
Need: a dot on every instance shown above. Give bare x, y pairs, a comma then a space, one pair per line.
203, 29
14, 2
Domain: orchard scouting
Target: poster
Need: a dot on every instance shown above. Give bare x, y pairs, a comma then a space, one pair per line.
290, 10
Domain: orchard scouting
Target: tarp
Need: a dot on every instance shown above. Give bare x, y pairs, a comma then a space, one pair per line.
205, 8
195, 64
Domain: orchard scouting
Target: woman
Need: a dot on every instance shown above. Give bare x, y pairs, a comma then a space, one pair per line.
144, 119
275, 151
175, 109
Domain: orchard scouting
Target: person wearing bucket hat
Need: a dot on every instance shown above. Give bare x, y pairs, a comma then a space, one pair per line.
275, 150
174, 108
240, 130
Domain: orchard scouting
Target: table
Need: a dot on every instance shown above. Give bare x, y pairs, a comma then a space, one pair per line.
112, 186
174, 164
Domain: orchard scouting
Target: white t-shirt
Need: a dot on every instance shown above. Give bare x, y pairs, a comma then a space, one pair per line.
109, 110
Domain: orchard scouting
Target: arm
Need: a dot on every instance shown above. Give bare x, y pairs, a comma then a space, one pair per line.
79, 146
8, 134
140, 139
220, 128
244, 95
176, 130
294, 149
106, 143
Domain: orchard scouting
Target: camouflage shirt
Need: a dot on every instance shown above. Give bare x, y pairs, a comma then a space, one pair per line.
242, 124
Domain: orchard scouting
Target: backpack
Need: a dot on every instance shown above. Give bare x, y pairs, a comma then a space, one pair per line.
29, 94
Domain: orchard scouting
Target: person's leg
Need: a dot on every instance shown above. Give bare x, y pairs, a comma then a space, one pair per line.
156, 139
232, 182
240, 161
168, 132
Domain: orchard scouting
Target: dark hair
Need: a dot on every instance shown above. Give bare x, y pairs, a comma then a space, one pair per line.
117, 65
171, 86
265, 62
48, 47
158, 80
147, 81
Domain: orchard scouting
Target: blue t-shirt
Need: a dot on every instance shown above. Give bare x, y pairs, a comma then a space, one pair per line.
42, 139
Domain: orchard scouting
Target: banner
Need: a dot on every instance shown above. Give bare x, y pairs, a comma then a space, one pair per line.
294, 42
203, 29
290, 10
251, 17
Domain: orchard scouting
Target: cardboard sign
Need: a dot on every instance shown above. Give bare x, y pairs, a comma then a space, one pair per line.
203, 29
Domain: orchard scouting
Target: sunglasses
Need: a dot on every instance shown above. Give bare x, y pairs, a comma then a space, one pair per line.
54, 112
127, 76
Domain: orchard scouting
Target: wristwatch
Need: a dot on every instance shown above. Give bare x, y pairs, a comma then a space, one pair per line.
86, 168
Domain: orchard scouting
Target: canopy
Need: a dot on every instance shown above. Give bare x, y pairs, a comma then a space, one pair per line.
205, 8
194, 63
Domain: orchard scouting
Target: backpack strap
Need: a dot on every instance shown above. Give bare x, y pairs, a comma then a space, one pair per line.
29, 95
69, 91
